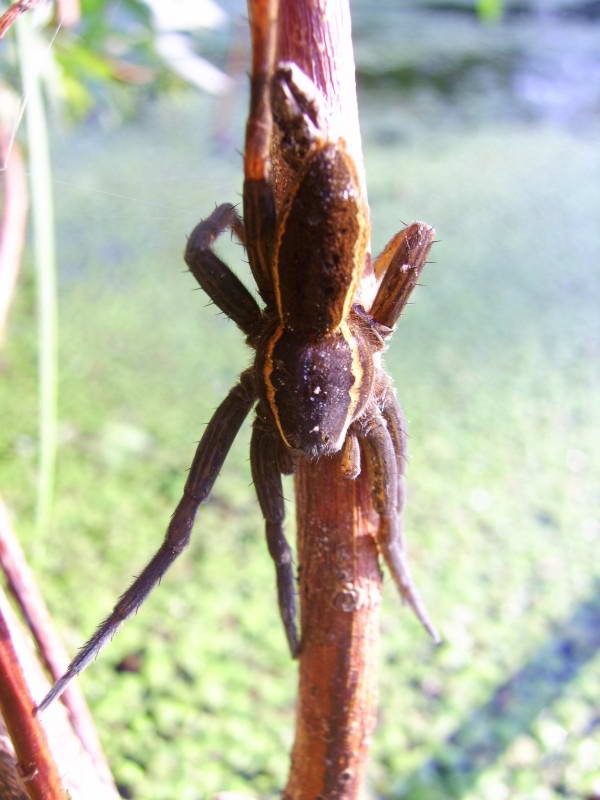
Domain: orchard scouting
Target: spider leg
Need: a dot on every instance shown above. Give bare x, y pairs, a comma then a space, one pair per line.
259, 201
260, 222
383, 471
267, 481
210, 455
401, 263
215, 277
396, 425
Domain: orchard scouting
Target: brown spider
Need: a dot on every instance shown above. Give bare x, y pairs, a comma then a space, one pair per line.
317, 379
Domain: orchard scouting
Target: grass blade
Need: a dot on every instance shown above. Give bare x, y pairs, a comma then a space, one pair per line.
31, 64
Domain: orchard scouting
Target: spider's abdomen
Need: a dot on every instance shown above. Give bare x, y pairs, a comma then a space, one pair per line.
316, 389
322, 244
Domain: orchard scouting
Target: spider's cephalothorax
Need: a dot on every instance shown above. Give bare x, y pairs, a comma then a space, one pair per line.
317, 380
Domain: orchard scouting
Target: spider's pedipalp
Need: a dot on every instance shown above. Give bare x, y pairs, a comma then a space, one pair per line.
208, 460
351, 457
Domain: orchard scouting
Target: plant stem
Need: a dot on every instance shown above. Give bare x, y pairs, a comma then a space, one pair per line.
36, 766
31, 64
340, 601
22, 585
340, 581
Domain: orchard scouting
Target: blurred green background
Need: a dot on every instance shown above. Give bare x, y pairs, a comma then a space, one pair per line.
490, 133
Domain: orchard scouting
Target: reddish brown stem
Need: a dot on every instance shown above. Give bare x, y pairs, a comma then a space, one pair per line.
340, 600
36, 765
13, 12
340, 581
68, 13
24, 589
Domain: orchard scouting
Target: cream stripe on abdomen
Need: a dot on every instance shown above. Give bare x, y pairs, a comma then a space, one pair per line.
270, 389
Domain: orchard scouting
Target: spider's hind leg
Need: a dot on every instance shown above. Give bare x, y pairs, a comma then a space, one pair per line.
267, 481
208, 460
382, 464
396, 425
215, 277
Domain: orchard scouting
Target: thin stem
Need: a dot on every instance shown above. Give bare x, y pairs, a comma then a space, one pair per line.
36, 766
29, 599
45, 265
13, 12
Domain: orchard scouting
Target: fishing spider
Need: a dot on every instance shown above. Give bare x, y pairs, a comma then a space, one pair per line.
317, 380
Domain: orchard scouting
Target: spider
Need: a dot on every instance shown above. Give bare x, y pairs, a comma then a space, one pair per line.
317, 381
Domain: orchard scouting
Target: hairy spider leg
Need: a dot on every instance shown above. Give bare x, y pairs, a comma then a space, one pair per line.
400, 262
263, 22
398, 266
267, 482
382, 467
260, 216
396, 425
210, 455
260, 222
214, 276
266, 452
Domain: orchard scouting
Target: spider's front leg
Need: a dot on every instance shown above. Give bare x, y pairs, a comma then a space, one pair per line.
382, 464
215, 277
210, 455
260, 217
267, 482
